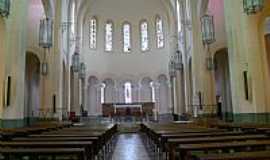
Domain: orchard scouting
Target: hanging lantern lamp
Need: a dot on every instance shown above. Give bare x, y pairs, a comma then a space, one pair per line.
4, 8
45, 33
253, 6
208, 29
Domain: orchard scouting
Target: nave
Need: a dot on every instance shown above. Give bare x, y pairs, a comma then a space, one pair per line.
182, 140
134, 79
130, 146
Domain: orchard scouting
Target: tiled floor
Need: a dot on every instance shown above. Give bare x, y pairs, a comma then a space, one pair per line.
130, 147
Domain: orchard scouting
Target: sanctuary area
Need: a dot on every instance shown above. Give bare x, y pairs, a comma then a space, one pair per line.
134, 79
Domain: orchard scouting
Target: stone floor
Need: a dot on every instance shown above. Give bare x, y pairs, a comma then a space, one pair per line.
130, 147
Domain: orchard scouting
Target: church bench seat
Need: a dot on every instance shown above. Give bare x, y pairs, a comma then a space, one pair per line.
168, 138
241, 146
35, 153
97, 139
253, 155
172, 144
87, 145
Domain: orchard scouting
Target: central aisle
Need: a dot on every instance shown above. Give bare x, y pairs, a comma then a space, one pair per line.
130, 147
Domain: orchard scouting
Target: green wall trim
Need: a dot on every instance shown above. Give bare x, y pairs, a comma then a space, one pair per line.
262, 118
12, 123
17, 123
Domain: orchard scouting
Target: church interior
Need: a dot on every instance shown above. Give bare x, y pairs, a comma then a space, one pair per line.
134, 79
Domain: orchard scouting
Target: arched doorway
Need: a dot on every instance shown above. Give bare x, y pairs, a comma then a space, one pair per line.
32, 89
109, 95
93, 99
223, 85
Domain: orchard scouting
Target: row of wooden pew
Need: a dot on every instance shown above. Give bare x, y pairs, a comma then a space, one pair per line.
189, 141
66, 142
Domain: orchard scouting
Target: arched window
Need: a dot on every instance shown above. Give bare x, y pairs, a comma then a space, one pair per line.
93, 33
144, 36
102, 93
128, 92
153, 92
72, 17
159, 32
178, 8
109, 36
127, 37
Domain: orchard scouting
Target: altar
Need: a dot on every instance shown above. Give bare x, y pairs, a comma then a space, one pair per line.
138, 111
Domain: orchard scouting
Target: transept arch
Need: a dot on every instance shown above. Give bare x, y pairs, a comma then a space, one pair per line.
146, 90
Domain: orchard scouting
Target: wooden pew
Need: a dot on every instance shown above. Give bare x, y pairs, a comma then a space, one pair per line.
34, 153
242, 146
94, 139
253, 155
173, 143
172, 136
87, 145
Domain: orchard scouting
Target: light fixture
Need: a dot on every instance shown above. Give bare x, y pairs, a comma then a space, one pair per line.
172, 71
178, 60
76, 62
252, 6
45, 41
4, 7
45, 33
82, 70
210, 63
208, 29
44, 68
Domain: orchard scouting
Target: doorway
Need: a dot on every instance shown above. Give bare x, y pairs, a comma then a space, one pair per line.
223, 85
32, 89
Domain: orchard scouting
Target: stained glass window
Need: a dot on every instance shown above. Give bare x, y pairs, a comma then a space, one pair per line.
109, 36
93, 33
128, 94
127, 37
144, 36
159, 32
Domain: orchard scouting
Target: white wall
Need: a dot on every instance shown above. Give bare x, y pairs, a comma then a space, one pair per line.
152, 62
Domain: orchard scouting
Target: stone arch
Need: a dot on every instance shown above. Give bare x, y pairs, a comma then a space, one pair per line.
93, 96
266, 53
110, 91
223, 84
146, 90
32, 87
121, 90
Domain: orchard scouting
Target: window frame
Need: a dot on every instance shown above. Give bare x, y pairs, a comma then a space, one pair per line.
156, 32
125, 88
123, 34
96, 45
105, 36
148, 35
